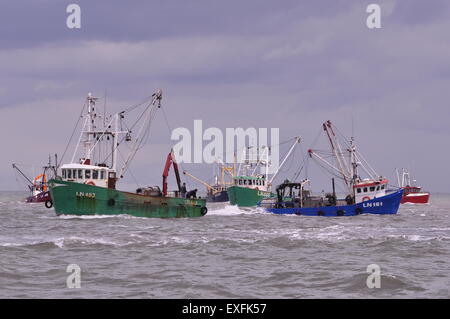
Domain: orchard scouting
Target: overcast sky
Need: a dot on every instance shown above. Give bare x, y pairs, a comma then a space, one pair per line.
290, 64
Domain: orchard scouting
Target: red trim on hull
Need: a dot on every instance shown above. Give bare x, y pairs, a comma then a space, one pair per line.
417, 198
371, 184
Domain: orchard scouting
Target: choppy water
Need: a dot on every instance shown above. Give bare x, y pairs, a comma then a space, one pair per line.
229, 253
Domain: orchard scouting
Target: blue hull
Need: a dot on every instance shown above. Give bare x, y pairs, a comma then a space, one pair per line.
386, 205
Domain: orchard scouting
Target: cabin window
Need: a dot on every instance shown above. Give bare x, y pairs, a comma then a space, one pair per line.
74, 174
358, 190
372, 188
80, 174
64, 173
382, 186
378, 188
365, 189
102, 174
87, 174
69, 173
95, 174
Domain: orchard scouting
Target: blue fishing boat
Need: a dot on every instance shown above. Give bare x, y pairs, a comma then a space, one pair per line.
364, 195
293, 199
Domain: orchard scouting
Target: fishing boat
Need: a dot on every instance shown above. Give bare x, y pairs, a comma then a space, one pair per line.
218, 191
411, 193
38, 186
88, 186
250, 185
364, 195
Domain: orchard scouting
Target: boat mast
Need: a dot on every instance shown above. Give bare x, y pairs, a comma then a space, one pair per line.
115, 142
337, 151
90, 126
353, 162
297, 141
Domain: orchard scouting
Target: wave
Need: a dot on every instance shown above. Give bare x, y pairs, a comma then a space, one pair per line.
61, 242
233, 210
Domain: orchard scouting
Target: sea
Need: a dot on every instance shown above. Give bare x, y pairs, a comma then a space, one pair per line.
229, 253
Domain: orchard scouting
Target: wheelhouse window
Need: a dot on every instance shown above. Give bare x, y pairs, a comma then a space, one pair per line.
378, 187
64, 173
365, 189
74, 174
69, 173
94, 174
372, 188
358, 190
102, 174
382, 186
87, 174
80, 174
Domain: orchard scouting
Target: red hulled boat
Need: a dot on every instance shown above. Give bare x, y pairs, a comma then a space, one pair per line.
38, 187
411, 193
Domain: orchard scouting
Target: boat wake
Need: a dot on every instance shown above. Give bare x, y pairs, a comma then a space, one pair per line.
233, 210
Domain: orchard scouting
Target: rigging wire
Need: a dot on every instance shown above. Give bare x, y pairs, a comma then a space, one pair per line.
73, 133
171, 146
129, 170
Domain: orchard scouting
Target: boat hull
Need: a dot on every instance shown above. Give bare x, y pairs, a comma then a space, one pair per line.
219, 197
385, 205
39, 198
71, 198
416, 198
246, 197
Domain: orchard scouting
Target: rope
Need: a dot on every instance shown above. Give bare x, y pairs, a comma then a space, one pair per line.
171, 146
71, 136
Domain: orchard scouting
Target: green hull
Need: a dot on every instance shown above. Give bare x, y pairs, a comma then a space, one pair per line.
71, 198
246, 197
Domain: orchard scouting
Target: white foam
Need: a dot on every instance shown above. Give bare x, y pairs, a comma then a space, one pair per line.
233, 210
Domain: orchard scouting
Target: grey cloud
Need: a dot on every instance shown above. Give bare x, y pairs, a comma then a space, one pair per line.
290, 64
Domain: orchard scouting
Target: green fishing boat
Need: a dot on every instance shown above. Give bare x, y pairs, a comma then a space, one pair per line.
249, 187
88, 187
247, 196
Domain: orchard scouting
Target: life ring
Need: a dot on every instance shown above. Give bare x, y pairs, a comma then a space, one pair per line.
48, 204
365, 198
90, 183
203, 210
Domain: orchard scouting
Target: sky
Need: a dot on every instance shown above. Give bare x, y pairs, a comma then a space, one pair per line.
290, 64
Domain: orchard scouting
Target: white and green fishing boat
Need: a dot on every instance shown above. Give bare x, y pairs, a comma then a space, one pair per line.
252, 182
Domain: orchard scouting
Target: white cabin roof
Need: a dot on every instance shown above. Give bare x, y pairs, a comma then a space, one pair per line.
82, 166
